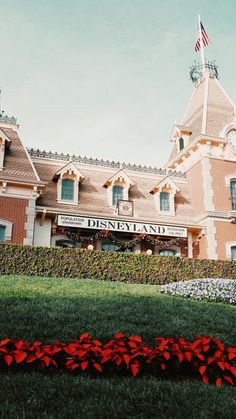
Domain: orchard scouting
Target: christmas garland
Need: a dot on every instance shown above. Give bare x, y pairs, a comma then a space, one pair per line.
75, 236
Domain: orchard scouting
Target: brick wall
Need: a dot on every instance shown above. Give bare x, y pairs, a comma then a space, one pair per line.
14, 210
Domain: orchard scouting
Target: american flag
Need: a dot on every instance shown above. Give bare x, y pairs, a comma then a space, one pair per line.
205, 39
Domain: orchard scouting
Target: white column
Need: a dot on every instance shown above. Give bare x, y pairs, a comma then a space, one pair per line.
190, 245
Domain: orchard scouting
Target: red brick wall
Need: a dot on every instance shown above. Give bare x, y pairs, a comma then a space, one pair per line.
14, 210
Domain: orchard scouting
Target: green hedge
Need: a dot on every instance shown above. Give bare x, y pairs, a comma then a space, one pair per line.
126, 267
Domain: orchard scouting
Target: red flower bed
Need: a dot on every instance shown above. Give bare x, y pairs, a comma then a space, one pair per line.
204, 359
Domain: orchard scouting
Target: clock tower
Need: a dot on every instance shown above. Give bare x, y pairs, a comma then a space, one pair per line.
204, 147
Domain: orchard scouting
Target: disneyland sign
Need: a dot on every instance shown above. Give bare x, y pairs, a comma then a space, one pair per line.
121, 226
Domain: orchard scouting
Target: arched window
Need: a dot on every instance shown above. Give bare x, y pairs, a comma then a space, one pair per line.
2, 233
233, 193
167, 252
233, 253
67, 190
181, 143
164, 201
117, 193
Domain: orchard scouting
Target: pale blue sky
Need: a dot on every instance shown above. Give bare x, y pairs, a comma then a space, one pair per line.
107, 78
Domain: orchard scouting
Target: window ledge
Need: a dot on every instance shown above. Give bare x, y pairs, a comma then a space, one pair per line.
166, 213
60, 201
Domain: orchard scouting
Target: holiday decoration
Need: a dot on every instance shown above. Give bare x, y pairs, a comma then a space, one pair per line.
124, 245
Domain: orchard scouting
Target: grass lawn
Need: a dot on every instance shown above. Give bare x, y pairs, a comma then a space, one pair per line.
59, 309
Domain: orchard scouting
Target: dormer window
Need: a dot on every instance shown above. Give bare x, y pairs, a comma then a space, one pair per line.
164, 195
68, 179
118, 187
164, 201
67, 189
117, 193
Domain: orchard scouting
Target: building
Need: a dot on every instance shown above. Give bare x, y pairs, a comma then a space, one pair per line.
187, 208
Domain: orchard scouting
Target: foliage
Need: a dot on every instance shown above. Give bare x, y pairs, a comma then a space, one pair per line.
132, 268
223, 290
204, 359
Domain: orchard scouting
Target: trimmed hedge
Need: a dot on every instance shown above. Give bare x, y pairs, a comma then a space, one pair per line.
126, 267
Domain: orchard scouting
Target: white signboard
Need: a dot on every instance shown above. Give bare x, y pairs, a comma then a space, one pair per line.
121, 225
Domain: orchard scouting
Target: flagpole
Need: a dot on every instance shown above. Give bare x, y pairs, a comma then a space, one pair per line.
201, 44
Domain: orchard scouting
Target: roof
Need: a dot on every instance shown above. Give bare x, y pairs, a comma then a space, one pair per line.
93, 198
210, 109
17, 163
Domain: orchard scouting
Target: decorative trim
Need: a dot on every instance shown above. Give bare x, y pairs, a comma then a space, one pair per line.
103, 163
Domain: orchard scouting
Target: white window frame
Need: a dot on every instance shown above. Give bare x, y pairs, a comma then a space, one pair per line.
74, 201
228, 249
8, 229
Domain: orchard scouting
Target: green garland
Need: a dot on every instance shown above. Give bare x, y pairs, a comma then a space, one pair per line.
163, 244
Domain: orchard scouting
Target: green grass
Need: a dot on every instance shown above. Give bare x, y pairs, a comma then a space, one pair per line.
48, 309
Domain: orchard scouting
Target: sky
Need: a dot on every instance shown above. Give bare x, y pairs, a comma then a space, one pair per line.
107, 78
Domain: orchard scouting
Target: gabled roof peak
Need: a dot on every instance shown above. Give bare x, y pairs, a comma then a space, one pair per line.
121, 177
69, 168
166, 183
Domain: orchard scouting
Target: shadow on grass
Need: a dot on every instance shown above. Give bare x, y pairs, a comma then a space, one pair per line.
103, 309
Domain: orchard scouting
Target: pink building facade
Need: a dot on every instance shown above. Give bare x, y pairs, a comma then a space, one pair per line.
186, 208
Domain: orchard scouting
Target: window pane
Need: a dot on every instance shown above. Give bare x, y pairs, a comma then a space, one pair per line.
164, 201
233, 193
109, 247
167, 252
67, 189
2, 233
117, 193
181, 144
233, 252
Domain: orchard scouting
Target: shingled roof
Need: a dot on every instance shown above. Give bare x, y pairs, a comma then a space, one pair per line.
93, 195
17, 163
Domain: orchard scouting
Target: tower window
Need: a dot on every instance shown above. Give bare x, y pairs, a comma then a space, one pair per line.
67, 190
2, 233
117, 193
181, 143
164, 201
233, 193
